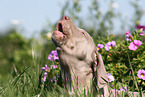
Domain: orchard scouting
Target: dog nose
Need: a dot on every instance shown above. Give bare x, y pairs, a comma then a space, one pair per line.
65, 18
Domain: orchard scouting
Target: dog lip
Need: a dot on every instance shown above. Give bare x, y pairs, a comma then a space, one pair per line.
60, 28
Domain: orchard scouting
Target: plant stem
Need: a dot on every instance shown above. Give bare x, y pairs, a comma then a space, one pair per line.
135, 82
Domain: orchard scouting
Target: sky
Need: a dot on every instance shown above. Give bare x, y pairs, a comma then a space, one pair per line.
32, 15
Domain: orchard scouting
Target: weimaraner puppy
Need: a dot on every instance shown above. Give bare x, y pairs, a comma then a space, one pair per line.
81, 64
79, 59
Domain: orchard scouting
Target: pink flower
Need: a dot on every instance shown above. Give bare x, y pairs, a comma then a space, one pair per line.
123, 88
100, 46
141, 74
142, 33
45, 76
140, 27
135, 44
110, 45
53, 55
128, 36
45, 69
53, 66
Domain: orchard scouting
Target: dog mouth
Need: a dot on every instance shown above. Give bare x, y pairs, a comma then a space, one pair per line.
59, 36
60, 28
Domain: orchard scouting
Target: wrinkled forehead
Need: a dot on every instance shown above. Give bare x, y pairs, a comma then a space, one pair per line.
71, 24
66, 21
85, 33
82, 30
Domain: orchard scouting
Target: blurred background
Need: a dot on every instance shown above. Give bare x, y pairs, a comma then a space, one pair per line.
26, 26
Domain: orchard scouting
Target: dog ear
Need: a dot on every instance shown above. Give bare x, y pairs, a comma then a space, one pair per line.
100, 71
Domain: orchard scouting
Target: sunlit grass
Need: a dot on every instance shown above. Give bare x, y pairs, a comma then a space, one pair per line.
27, 84
27, 81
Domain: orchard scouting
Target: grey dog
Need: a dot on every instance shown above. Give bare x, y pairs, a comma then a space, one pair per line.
81, 64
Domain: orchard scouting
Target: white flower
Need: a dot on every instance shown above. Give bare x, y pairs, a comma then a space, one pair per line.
110, 77
16, 22
100, 10
115, 5
49, 34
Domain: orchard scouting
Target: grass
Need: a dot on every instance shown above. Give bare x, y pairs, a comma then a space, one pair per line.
28, 84
24, 84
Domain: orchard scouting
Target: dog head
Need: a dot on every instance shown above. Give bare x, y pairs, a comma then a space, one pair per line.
77, 43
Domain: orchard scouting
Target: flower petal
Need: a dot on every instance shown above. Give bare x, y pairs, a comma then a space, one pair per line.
113, 43
107, 47
110, 77
132, 46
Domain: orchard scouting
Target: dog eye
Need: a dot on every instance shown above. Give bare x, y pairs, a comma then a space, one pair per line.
83, 33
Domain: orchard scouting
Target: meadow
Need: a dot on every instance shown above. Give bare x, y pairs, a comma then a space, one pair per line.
30, 67
123, 59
